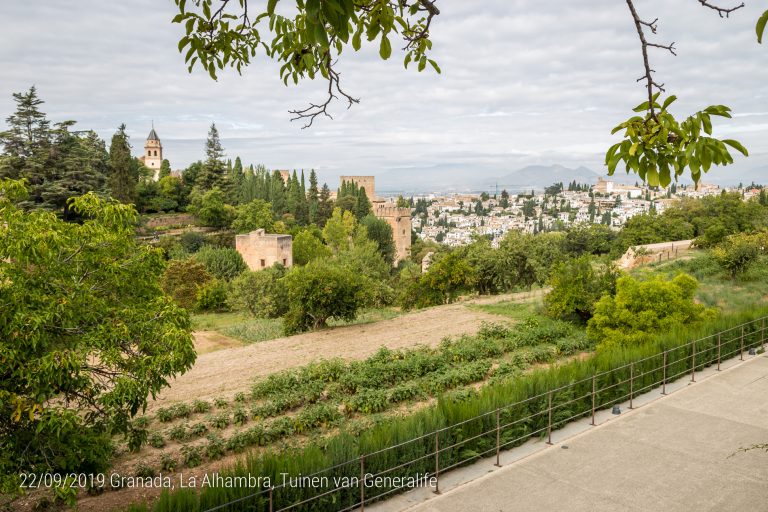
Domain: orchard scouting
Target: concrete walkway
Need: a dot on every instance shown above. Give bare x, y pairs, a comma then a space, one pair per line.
675, 453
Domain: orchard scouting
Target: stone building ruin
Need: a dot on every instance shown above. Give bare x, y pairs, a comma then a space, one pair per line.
261, 250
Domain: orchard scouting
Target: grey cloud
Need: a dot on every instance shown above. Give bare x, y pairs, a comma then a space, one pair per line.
523, 82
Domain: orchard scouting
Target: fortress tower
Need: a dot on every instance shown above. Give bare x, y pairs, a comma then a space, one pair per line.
399, 219
153, 153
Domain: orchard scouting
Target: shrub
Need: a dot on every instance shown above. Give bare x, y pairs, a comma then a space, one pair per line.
167, 462
156, 440
642, 309
737, 253
212, 296
178, 433
143, 470
320, 291
200, 406
577, 286
239, 416
181, 280
215, 447
211, 208
221, 262
192, 456
260, 293
220, 421
198, 429
192, 241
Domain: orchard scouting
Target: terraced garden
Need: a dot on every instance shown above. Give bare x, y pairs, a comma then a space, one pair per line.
307, 403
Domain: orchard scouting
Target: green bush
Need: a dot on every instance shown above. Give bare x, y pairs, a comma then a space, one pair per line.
642, 309
737, 253
577, 286
181, 280
320, 291
192, 241
221, 262
212, 296
261, 293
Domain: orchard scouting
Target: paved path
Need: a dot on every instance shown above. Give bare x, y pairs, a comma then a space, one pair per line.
677, 453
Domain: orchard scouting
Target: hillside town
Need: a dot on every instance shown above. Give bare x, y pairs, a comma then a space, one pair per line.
457, 219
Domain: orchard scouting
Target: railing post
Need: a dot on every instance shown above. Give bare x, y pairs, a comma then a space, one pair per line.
437, 462
498, 436
741, 354
693, 362
271, 503
549, 423
664, 375
631, 383
362, 482
762, 333
718, 351
593, 400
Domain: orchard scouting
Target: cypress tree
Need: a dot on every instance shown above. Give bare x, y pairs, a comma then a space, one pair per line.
122, 169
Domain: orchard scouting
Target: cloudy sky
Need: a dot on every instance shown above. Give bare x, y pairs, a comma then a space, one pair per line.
524, 82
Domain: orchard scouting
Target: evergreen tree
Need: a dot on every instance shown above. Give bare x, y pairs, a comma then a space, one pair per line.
277, 194
324, 206
213, 171
165, 168
313, 197
123, 175
363, 206
504, 203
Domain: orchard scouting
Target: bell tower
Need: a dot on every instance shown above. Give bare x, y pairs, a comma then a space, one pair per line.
153, 153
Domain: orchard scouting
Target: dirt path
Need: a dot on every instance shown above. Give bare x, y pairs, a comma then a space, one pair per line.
226, 371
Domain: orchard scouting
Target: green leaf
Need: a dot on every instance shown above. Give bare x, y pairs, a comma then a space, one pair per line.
633, 149
385, 48
271, 7
434, 65
653, 177
356, 41
737, 146
668, 102
760, 28
641, 107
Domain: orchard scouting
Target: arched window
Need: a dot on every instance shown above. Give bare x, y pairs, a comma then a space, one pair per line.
155, 152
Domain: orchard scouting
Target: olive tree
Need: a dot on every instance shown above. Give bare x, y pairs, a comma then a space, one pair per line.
86, 334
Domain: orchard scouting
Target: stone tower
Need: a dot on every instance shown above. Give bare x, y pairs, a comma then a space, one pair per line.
153, 153
399, 220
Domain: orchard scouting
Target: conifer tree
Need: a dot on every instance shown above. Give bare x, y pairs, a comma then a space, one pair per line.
324, 206
313, 197
213, 172
123, 172
277, 194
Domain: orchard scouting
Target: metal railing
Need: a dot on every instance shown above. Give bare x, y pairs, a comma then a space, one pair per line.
504, 427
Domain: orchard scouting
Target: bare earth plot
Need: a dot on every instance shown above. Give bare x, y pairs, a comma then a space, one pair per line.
679, 453
228, 370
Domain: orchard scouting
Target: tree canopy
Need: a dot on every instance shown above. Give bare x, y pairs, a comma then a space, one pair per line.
86, 333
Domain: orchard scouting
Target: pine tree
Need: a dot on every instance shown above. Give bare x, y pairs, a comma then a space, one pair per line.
122, 170
213, 172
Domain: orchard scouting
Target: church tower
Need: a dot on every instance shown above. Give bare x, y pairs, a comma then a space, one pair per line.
153, 153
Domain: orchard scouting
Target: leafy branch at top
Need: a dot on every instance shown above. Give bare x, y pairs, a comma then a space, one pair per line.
656, 146
307, 44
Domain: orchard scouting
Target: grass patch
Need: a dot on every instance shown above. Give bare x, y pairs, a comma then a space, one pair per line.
511, 309
218, 321
368, 316
255, 330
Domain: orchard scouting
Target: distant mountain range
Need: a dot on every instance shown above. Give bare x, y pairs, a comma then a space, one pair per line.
480, 177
